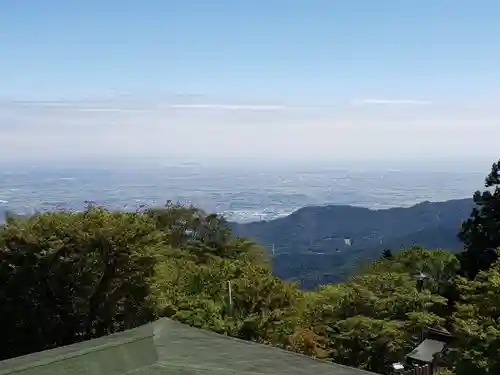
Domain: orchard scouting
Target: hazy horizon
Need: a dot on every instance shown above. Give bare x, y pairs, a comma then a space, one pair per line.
382, 133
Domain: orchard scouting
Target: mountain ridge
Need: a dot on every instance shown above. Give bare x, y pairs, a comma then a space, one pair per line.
313, 239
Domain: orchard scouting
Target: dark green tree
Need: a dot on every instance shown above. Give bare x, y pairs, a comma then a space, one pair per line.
476, 324
67, 277
481, 232
203, 234
387, 254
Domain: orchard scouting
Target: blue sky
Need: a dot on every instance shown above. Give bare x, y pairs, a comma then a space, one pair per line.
427, 62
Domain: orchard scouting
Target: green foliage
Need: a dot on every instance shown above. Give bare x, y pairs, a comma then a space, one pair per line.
477, 324
370, 321
439, 266
262, 305
67, 277
367, 343
481, 232
387, 254
444, 371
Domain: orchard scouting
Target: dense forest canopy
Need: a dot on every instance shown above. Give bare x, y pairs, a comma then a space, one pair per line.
72, 276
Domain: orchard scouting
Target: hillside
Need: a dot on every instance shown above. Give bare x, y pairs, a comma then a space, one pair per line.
310, 244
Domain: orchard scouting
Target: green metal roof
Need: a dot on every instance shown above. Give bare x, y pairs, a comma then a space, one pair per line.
169, 347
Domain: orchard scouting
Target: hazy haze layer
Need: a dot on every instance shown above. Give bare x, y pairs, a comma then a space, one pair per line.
200, 129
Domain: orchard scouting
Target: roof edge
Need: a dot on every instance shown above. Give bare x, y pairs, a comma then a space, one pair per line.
50, 356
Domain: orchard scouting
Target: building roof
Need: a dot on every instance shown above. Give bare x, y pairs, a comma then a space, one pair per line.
426, 350
169, 347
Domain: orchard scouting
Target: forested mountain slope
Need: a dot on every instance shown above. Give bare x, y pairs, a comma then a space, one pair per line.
311, 244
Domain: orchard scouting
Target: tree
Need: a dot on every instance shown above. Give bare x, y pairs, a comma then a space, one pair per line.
263, 306
67, 277
202, 234
191, 279
367, 343
440, 266
387, 254
266, 308
476, 324
481, 232
370, 321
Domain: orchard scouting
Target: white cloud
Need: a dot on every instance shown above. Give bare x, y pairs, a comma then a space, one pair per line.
394, 101
110, 110
265, 132
233, 107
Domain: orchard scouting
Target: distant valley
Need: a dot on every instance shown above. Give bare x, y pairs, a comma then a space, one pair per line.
321, 244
